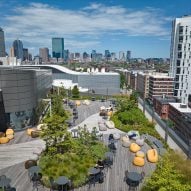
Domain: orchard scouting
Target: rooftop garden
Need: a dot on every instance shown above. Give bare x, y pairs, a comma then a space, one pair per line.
173, 171
64, 155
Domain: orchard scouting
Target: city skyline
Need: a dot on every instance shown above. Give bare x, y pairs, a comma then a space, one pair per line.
142, 27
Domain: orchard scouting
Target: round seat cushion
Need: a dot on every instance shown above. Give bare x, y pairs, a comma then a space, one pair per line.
110, 113
30, 163
10, 137
140, 142
9, 132
140, 154
126, 142
35, 134
4, 140
29, 131
139, 161
134, 147
116, 136
78, 103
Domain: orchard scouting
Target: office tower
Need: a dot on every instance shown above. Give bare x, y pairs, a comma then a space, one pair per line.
66, 55
58, 48
18, 49
12, 54
128, 56
30, 57
180, 57
77, 55
113, 56
85, 55
122, 56
93, 55
44, 54
25, 54
2, 43
107, 55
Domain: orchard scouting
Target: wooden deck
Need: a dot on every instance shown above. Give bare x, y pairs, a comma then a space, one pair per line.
114, 180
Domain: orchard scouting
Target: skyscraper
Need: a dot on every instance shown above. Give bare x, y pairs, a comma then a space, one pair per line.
66, 55
107, 55
25, 54
128, 56
180, 57
122, 56
93, 55
44, 54
18, 49
2, 43
58, 47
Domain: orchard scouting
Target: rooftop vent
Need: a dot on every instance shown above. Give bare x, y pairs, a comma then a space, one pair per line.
182, 105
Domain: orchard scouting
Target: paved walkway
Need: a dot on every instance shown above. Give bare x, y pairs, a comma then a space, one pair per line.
92, 122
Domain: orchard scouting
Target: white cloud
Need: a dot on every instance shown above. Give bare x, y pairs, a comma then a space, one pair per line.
37, 23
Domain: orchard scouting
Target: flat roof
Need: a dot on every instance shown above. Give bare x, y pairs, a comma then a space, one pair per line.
182, 110
68, 71
165, 100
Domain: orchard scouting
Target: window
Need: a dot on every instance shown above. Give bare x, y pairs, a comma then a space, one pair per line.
179, 47
177, 78
180, 38
177, 86
178, 63
181, 29
175, 92
180, 55
178, 71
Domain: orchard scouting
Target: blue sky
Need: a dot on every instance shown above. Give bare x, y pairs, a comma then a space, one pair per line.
142, 26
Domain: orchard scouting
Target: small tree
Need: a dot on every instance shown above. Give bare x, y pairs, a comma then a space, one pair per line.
75, 92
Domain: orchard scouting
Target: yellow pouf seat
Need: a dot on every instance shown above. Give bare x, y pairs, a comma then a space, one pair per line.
134, 147
9, 132
125, 141
152, 155
29, 131
10, 137
110, 113
139, 161
78, 103
140, 154
4, 140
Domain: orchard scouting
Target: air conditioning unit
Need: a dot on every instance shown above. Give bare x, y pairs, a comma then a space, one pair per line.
182, 105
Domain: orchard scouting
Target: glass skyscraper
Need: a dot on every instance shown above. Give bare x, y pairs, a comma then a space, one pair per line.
18, 49
58, 47
2, 43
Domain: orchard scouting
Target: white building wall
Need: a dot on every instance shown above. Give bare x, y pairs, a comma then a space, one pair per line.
180, 62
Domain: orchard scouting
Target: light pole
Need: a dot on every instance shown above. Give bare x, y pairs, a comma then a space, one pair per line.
50, 104
166, 132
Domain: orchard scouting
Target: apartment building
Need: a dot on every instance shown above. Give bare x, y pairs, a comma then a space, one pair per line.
143, 84
180, 115
161, 105
159, 85
180, 57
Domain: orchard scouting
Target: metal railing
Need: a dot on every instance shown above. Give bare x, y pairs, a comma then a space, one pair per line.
168, 131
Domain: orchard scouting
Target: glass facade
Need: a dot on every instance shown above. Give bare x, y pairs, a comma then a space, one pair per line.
58, 47
2, 43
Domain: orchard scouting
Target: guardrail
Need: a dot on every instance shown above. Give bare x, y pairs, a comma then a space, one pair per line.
170, 132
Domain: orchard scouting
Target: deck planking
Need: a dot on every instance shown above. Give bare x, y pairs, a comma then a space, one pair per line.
114, 180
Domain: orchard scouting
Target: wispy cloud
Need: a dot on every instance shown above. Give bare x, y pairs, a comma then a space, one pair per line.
37, 23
